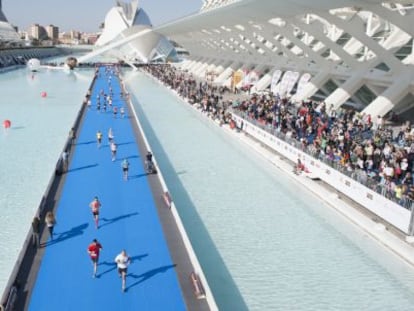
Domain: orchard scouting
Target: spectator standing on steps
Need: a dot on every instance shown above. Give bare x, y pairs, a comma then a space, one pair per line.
72, 135
65, 160
36, 231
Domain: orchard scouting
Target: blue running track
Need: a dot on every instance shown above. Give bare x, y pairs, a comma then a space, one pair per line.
128, 220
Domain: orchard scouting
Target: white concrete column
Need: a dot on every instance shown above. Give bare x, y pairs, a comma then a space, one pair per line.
226, 73
313, 85
263, 83
186, 64
195, 68
346, 90
200, 72
391, 96
212, 70
219, 67
195, 64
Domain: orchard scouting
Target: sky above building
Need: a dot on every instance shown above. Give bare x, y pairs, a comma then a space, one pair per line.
88, 15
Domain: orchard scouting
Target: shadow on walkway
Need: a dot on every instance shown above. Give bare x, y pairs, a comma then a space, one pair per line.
112, 265
82, 168
147, 275
75, 231
87, 142
137, 176
109, 221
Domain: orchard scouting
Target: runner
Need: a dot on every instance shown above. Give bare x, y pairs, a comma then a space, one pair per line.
95, 206
110, 135
99, 138
113, 150
125, 168
93, 249
122, 262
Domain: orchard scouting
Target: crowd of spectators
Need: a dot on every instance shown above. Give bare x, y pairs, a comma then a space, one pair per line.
365, 148
208, 98
368, 150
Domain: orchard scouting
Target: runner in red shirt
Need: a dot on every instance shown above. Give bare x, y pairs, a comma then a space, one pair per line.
93, 249
95, 206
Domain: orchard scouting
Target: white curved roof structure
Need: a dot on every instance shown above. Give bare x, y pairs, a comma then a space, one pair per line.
7, 32
214, 4
128, 36
358, 52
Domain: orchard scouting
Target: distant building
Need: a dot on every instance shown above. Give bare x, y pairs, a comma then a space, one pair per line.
72, 37
64, 38
75, 35
89, 38
37, 32
53, 33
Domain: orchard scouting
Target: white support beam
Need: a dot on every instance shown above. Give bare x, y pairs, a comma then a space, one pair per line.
391, 96
357, 30
346, 90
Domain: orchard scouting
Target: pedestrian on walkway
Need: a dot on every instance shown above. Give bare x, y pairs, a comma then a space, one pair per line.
95, 206
93, 250
50, 221
113, 150
125, 168
36, 231
110, 135
65, 161
122, 262
99, 138
122, 111
72, 135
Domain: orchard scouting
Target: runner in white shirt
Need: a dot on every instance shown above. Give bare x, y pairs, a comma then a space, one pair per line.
113, 150
122, 262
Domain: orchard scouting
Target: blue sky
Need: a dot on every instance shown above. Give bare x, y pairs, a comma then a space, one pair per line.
86, 15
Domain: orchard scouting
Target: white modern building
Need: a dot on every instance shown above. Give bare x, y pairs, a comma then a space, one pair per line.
8, 34
128, 36
341, 51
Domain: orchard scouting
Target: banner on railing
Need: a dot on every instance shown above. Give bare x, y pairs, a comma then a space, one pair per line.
303, 81
275, 79
284, 83
291, 81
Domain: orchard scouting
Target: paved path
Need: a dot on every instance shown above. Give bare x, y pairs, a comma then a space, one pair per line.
128, 220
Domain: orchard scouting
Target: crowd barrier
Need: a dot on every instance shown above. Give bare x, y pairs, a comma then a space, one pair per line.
389, 211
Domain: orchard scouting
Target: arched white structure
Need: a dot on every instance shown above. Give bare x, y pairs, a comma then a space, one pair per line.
128, 36
7, 33
355, 51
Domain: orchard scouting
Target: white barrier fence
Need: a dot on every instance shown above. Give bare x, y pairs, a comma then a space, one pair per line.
391, 212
